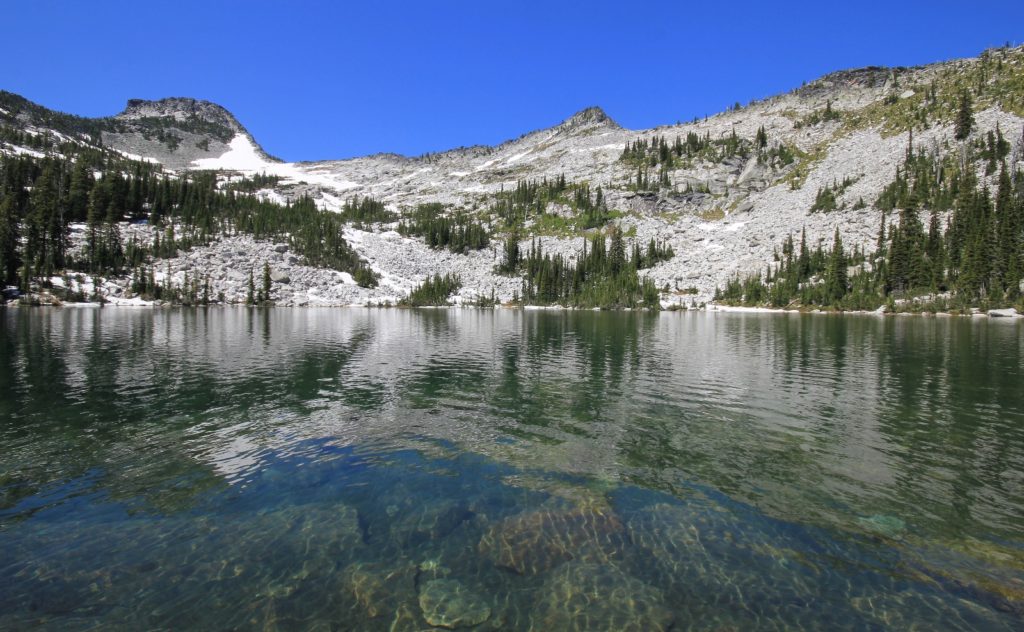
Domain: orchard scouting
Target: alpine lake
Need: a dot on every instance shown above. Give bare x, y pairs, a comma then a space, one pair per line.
385, 469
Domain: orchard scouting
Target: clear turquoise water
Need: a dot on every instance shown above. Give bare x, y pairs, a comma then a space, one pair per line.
388, 470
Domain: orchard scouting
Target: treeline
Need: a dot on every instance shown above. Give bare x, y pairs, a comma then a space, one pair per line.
826, 199
458, 233
655, 158
657, 251
603, 275
677, 154
644, 181
434, 290
253, 183
530, 197
530, 200
802, 276
366, 210
975, 256
41, 197
192, 291
39, 142
15, 107
934, 183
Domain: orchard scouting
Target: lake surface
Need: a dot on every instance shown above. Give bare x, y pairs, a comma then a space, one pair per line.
358, 469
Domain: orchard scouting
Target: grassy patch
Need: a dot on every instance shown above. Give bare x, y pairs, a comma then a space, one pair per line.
712, 215
805, 162
994, 79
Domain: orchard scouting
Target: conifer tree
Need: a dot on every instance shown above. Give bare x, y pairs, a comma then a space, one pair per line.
9, 238
78, 194
804, 259
761, 139
616, 251
1006, 233
934, 251
964, 117
47, 229
835, 275
96, 210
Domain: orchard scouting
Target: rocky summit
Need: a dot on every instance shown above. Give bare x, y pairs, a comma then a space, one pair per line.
708, 200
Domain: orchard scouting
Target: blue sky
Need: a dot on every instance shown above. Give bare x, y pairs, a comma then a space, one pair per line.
314, 80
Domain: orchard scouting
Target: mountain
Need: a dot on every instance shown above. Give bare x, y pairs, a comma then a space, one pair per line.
723, 192
175, 131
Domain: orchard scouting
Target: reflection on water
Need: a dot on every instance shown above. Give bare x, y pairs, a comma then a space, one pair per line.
386, 469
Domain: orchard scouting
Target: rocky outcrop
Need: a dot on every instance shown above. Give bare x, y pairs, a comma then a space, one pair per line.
1003, 313
183, 110
175, 131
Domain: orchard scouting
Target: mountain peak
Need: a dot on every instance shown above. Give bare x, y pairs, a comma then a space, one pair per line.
180, 109
588, 116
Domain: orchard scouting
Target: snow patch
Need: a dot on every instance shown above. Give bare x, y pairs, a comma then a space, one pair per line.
137, 157
24, 151
243, 156
517, 157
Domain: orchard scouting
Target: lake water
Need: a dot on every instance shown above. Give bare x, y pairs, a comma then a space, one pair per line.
354, 469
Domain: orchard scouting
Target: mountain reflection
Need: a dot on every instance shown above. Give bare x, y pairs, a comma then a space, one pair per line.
812, 418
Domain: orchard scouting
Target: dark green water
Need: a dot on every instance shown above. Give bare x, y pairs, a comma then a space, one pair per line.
358, 470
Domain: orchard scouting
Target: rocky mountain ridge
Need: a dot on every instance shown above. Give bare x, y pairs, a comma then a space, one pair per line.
724, 209
174, 131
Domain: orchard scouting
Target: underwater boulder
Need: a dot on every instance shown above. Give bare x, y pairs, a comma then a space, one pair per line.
430, 522
380, 589
448, 603
884, 525
536, 541
592, 597
710, 559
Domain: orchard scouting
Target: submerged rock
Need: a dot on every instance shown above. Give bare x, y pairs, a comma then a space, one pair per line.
430, 522
595, 597
711, 558
447, 603
406, 618
884, 525
911, 610
537, 541
380, 589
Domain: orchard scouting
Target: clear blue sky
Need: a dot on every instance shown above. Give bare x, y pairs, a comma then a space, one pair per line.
314, 80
